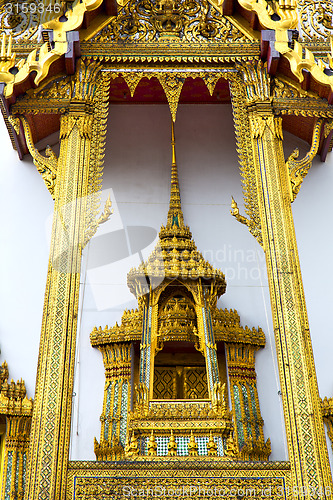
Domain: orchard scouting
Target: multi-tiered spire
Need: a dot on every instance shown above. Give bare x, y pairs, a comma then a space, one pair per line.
175, 255
175, 214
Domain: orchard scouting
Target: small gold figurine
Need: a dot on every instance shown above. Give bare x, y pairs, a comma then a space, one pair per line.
192, 446
172, 446
230, 451
152, 445
211, 446
131, 448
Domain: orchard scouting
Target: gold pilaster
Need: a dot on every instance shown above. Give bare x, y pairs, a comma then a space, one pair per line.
304, 427
50, 432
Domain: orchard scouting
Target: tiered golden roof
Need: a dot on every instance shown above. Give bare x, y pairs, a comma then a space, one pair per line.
176, 254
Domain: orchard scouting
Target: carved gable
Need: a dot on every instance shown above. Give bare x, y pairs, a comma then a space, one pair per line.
142, 21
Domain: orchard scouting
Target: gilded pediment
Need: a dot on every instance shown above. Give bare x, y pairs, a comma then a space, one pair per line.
171, 21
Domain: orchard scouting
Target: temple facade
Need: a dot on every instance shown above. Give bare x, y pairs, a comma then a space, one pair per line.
174, 353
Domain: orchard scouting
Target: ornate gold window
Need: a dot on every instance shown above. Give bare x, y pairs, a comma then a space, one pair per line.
167, 396
179, 368
180, 374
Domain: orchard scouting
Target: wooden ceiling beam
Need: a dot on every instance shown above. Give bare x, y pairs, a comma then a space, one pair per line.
228, 7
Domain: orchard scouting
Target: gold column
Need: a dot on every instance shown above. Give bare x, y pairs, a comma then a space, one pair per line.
117, 400
50, 431
304, 426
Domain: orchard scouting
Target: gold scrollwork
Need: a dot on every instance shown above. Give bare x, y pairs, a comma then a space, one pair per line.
316, 18
46, 166
243, 141
298, 169
41, 58
172, 86
175, 474
21, 25
169, 21
97, 221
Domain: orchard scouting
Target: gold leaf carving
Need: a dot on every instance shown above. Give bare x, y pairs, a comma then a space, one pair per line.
298, 169
132, 79
46, 165
316, 19
172, 86
211, 80
142, 21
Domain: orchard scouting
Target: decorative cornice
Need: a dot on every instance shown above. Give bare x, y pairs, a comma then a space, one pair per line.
302, 106
226, 324
181, 52
183, 463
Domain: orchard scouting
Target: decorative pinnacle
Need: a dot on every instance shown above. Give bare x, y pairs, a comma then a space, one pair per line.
175, 214
173, 144
5, 55
7, 59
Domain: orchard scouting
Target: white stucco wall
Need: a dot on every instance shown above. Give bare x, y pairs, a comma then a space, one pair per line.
25, 205
137, 175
